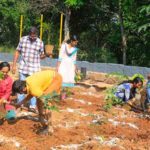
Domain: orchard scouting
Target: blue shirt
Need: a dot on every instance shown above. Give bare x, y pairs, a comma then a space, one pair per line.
123, 91
148, 90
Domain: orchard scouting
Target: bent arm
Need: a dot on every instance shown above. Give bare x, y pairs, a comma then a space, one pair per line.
25, 100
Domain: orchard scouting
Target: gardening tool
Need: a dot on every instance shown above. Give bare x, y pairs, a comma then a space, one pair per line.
10, 115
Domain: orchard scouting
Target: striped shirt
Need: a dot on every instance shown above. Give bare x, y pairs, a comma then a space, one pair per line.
30, 55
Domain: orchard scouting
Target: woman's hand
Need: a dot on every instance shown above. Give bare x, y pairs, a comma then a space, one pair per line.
14, 68
57, 66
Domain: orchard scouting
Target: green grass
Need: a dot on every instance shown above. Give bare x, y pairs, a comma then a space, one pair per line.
7, 49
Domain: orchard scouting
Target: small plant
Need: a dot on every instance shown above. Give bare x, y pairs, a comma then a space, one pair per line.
49, 99
111, 99
1, 75
79, 76
67, 91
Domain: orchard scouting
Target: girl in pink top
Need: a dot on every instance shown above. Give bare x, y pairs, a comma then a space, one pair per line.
5, 84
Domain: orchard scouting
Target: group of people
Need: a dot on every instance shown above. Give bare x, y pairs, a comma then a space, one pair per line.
34, 83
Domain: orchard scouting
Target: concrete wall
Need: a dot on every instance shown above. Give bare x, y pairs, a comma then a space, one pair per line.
93, 67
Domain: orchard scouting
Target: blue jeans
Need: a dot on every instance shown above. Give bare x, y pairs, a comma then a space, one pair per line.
32, 102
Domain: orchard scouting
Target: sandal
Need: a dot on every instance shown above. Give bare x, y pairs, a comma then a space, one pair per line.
44, 131
32, 110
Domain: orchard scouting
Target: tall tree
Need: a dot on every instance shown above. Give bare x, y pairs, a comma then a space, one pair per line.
123, 36
58, 6
10, 11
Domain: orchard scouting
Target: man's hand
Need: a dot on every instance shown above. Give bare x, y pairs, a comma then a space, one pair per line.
14, 69
13, 98
48, 54
17, 105
131, 101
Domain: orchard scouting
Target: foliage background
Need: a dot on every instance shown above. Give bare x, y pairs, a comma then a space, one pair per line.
95, 22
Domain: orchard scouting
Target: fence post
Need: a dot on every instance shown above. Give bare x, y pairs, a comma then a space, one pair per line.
21, 24
41, 27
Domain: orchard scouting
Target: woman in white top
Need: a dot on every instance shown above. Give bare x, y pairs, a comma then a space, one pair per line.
66, 65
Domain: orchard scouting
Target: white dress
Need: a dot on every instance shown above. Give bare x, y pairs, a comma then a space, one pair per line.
67, 58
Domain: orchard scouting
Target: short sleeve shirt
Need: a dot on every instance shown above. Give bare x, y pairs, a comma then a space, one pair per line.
30, 55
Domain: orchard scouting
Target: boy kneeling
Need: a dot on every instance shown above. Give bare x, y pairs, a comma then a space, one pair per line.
38, 85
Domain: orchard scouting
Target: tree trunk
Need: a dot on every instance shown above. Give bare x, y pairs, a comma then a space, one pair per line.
66, 24
123, 36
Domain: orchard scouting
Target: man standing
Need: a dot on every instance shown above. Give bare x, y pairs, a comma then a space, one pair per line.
31, 50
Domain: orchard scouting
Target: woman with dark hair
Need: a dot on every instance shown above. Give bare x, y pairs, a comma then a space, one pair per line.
66, 65
5, 85
128, 89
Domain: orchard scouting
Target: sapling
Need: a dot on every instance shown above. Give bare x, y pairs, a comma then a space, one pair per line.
78, 77
111, 99
49, 99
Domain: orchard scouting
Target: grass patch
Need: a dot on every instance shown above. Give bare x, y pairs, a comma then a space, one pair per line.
7, 49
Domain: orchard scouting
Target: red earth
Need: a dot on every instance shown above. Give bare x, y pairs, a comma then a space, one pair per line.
81, 124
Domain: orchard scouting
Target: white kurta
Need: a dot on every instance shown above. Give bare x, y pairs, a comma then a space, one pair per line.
67, 58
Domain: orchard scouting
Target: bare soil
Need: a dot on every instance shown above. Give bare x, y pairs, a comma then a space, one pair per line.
81, 124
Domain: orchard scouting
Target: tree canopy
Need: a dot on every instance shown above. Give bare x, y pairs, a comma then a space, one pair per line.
109, 31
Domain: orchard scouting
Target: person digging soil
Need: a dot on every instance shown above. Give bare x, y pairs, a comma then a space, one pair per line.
38, 85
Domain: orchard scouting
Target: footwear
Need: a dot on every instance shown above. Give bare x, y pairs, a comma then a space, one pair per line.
32, 110
45, 131
42, 120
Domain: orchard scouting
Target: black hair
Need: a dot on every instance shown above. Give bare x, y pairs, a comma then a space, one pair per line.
33, 30
135, 80
72, 38
18, 86
4, 64
133, 89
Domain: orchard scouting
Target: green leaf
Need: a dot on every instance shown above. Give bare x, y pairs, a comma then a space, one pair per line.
1, 75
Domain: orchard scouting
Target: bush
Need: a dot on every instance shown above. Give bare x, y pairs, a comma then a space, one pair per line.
111, 99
